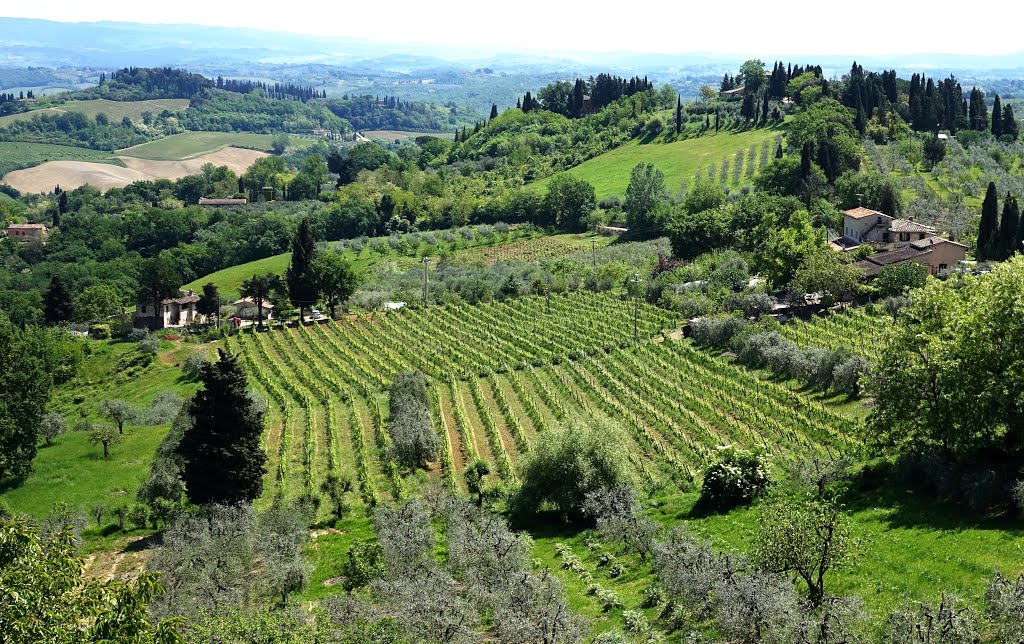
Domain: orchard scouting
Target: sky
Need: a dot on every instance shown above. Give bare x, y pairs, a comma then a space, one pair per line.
863, 28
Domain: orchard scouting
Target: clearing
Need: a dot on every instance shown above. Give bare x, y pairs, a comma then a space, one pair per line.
192, 144
680, 161
72, 174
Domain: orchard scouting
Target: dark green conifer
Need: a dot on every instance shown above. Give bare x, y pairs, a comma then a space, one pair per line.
987, 228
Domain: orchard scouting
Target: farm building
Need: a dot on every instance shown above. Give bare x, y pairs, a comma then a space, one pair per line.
174, 312
879, 230
934, 253
26, 233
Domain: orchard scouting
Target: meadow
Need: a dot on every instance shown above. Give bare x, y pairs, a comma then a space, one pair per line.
115, 110
192, 144
681, 161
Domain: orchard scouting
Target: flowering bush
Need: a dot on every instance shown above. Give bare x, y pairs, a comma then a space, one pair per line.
737, 479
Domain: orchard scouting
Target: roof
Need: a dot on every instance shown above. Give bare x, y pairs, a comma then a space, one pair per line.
934, 240
203, 201
185, 299
736, 90
861, 212
908, 226
250, 302
26, 226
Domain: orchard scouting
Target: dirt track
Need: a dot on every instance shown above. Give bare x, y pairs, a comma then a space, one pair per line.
72, 174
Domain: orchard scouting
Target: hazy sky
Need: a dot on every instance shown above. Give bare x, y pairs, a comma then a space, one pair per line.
864, 27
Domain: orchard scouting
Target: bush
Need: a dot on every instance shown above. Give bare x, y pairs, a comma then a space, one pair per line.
847, 374
568, 463
100, 331
737, 479
717, 332
149, 345
194, 364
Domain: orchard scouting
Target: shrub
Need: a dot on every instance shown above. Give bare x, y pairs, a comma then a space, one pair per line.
716, 332
609, 599
636, 622
846, 376
149, 345
100, 331
194, 364
736, 479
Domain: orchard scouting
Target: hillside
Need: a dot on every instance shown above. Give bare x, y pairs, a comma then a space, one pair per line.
681, 161
116, 110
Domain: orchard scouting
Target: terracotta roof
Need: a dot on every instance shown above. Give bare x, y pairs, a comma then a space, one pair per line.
932, 241
203, 201
907, 226
862, 212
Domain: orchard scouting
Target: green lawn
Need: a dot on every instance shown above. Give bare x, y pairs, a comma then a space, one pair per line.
15, 156
680, 161
192, 144
72, 470
116, 110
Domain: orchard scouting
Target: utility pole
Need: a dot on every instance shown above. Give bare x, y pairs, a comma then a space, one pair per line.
426, 261
593, 253
636, 305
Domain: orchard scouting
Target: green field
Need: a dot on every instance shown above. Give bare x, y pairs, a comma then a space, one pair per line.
193, 144
680, 161
116, 110
15, 156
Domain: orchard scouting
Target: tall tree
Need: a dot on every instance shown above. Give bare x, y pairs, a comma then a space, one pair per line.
989, 225
118, 412
679, 114
209, 301
1010, 127
57, 306
1008, 226
997, 117
158, 281
26, 390
646, 190
335, 279
301, 285
494, 112
223, 461
260, 288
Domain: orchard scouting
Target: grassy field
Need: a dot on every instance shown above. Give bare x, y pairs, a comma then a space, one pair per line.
116, 110
15, 156
680, 161
193, 144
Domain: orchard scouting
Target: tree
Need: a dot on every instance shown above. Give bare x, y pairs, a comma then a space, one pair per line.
27, 379
223, 461
49, 599
104, 435
158, 280
363, 563
335, 279
646, 190
301, 284
951, 381
410, 426
997, 117
988, 227
620, 519
57, 308
335, 488
808, 539
751, 76
279, 143
1008, 227
52, 426
693, 234
97, 302
899, 279
119, 412
315, 168
474, 476
934, 150
826, 272
260, 288
494, 112
1011, 128
569, 201
209, 301
569, 463
784, 247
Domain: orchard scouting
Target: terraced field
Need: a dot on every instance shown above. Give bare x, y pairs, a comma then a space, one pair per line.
502, 373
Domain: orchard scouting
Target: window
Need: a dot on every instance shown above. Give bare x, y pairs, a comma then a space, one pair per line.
920, 235
904, 236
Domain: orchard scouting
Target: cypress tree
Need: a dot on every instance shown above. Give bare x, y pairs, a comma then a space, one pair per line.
57, 306
220, 448
997, 117
1009, 125
989, 224
1008, 227
764, 110
718, 121
679, 114
494, 112
301, 286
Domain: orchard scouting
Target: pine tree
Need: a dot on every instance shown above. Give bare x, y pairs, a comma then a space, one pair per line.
220, 449
1008, 227
57, 306
301, 285
997, 117
989, 224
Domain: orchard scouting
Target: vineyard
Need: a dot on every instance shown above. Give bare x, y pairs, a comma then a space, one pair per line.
857, 330
502, 373
526, 250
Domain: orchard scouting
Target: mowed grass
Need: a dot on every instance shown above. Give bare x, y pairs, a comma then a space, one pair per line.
73, 470
15, 155
680, 161
192, 144
116, 110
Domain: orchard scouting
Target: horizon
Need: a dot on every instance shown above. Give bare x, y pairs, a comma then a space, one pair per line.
544, 39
